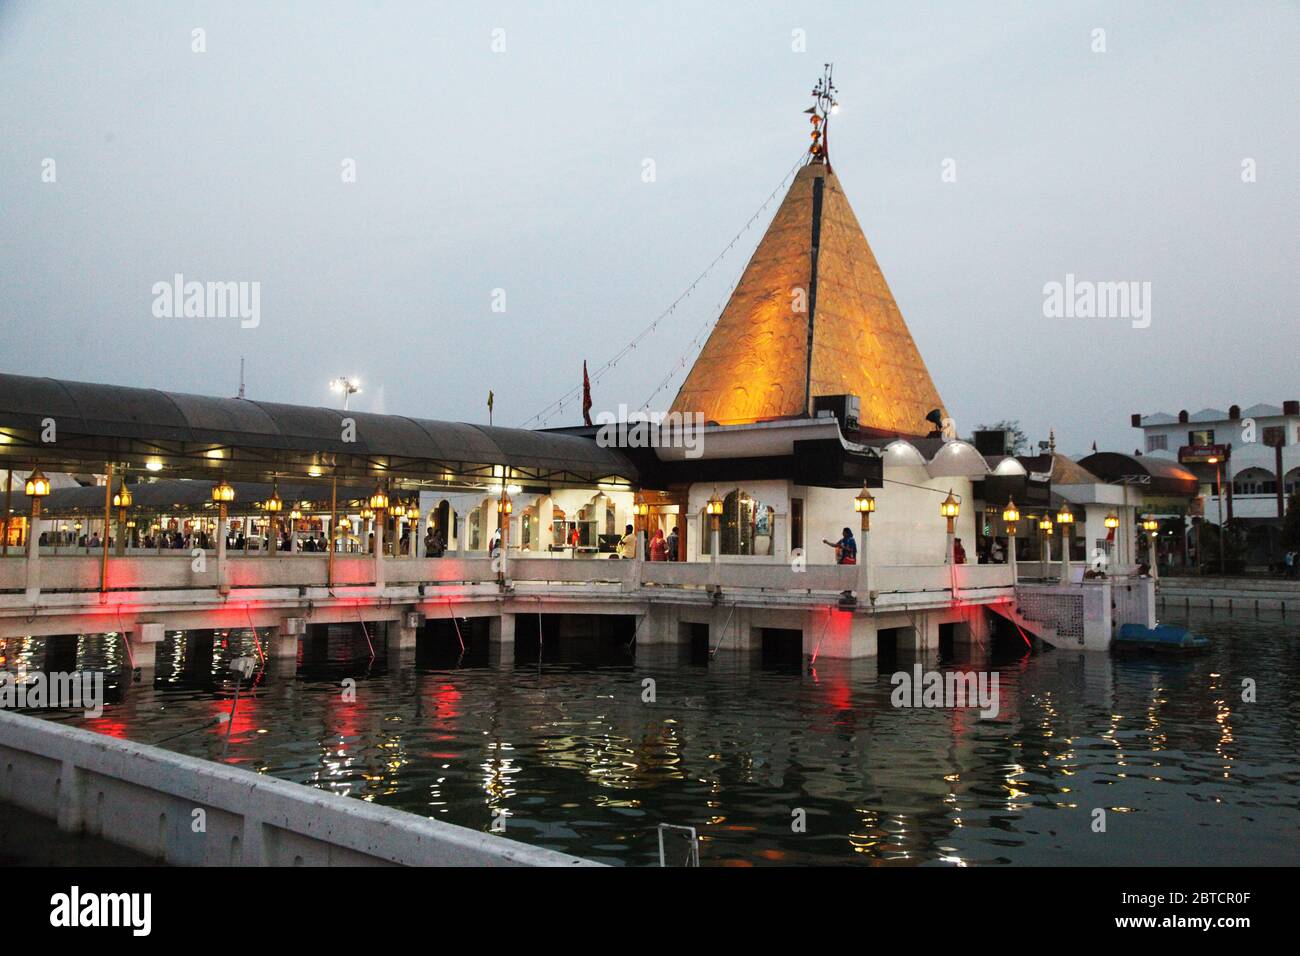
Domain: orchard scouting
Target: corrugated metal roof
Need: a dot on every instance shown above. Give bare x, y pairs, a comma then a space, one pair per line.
107, 416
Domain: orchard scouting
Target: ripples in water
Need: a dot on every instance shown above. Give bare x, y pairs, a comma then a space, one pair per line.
568, 748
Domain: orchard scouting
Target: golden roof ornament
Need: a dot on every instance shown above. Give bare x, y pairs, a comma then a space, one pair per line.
824, 105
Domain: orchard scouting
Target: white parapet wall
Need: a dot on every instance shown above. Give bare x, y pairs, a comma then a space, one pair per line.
148, 799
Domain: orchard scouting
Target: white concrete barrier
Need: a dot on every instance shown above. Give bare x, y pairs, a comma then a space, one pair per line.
146, 798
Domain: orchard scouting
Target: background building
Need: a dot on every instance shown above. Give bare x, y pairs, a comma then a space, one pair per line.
1253, 452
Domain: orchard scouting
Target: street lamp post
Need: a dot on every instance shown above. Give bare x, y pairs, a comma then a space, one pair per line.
504, 508
413, 522
222, 493
272, 506
1011, 515
1112, 526
1065, 518
714, 509
1217, 462
1152, 527
398, 510
640, 526
122, 501
379, 505
949, 508
1045, 529
37, 487
864, 503
348, 385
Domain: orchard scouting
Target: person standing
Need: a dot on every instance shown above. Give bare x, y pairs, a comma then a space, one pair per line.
627, 543
674, 540
846, 549
659, 546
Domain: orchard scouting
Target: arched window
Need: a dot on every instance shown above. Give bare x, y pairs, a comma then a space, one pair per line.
747, 528
1254, 481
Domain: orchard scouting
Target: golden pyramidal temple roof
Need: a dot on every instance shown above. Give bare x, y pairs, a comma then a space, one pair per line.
812, 315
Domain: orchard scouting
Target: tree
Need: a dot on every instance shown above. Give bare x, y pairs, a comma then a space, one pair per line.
1016, 436
1232, 538
1291, 523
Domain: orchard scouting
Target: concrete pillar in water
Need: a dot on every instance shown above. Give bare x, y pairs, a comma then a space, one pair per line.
400, 637
196, 660
839, 635
315, 643
501, 629
283, 642
973, 628
144, 641
661, 626
61, 653
400, 642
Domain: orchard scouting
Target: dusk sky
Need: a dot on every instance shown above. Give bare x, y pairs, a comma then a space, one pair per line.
480, 168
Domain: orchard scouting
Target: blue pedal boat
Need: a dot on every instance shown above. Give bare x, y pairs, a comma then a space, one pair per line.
1166, 637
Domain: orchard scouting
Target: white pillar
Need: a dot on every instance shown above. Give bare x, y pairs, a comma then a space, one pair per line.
638, 562
144, 642
1065, 553
33, 591
715, 545
864, 566
284, 646
399, 637
223, 528
501, 629
378, 523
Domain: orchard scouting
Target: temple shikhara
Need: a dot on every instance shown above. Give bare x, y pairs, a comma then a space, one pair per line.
812, 316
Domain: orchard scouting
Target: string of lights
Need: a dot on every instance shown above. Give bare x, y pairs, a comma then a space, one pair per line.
557, 406
694, 345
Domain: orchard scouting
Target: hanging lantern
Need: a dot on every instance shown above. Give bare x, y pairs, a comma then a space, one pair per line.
1010, 514
37, 486
123, 498
273, 503
1065, 516
223, 492
379, 500
949, 508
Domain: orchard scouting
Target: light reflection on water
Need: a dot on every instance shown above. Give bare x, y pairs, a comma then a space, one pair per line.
1187, 772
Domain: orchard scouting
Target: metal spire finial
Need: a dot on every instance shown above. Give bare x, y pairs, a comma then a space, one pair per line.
824, 106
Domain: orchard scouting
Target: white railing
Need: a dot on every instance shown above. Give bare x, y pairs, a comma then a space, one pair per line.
178, 571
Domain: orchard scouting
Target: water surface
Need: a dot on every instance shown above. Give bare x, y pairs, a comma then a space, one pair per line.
744, 749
